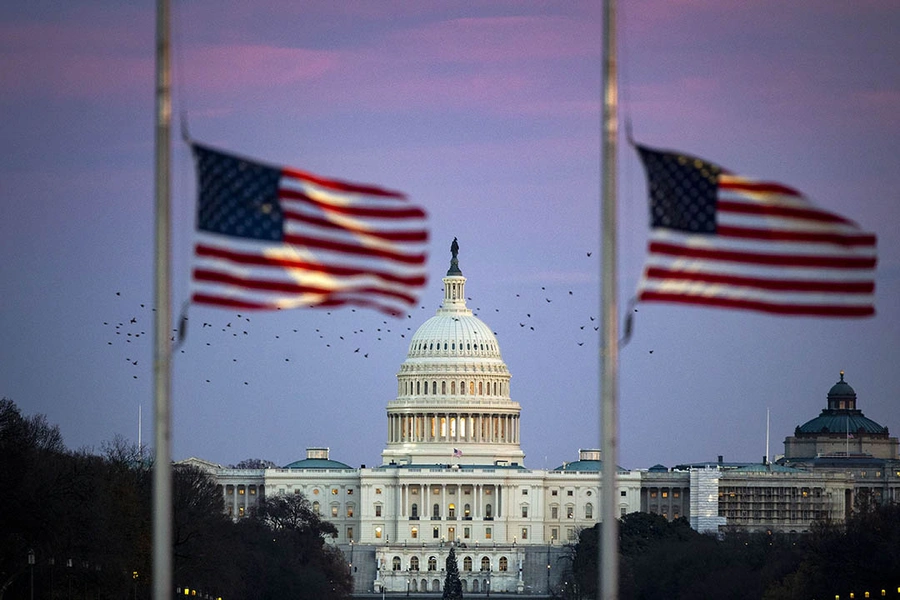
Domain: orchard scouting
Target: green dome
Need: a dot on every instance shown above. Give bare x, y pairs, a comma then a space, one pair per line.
317, 463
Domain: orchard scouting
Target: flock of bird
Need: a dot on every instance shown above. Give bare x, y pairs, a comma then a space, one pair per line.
529, 311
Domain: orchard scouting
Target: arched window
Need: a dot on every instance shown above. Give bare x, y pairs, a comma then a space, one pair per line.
434, 388
485, 563
467, 511
504, 564
414, 511
395, 564
480, 388
316, 507
432, 563
436, 511
462, 388
467, 563
443, 387
451, 511
488, 511
453, 387
418, 390
414, 563
588, 511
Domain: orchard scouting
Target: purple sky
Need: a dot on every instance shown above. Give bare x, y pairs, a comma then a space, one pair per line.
487, 114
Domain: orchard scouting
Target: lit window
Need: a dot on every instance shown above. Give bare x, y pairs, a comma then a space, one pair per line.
554, 533
315, 492
524, 533
349, 510
334, 511
665, 494
432, 563
241, 511
350, 491
570, 512
487, 533
253, 490
414, 533
241, 490
349, 533
504, 564
451, 511
485, 563
675, 494
467, 563
316, 507
334, 491
377, 491
378, 532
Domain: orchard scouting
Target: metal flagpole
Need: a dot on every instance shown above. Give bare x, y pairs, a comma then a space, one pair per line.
608, 560
162, 468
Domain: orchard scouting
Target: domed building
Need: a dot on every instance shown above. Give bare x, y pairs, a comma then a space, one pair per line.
840, 430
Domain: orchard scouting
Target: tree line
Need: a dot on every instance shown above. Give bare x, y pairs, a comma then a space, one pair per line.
77, 525
663, 559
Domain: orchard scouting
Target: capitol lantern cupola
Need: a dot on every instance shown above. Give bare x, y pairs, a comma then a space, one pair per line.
453, 401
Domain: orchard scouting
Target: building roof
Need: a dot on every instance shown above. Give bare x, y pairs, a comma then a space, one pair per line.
585, 465
317, 463
841, 415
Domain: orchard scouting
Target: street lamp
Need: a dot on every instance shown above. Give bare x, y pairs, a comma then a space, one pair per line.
31, 568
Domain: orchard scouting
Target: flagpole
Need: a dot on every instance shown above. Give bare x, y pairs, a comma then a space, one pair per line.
162, 468
608, 571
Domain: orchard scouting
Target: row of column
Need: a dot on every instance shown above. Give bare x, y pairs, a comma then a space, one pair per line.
453, 427
482, 495
239, 507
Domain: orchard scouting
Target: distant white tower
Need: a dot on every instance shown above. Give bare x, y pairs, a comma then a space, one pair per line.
453, 404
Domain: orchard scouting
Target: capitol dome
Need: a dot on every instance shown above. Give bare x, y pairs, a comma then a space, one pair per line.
453, 403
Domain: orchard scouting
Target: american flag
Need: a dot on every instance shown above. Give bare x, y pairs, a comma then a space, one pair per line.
718, 239
275, 237
457, 452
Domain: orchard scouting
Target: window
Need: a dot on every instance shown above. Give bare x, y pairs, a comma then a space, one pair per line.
554, 492
253, 490
488, 512
436, 511
395, 564
524, 491
503, 564
622, 512
414, 563
432, 563
554, 512
414, 511
349, 510
334, 491
570, 533
623, 493
435, 532
524, 511
570, 512
241, 511
377, 510
349, 491
485, 563
554, 534
316, 508
665, 493
467, 532
451, 511
334, 511
349, 533
524, 533
467, 563
241, 489
378, 533
378, 491
414, 533
467, 511
588, 511
676, 493
487, 533
570, 493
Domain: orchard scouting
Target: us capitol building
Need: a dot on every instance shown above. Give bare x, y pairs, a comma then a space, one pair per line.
453, 475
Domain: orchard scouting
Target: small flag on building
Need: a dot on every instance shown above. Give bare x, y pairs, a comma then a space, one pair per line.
718, 239
274, 237
457, 452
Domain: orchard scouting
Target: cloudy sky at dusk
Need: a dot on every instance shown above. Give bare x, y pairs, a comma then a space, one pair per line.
488, 115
